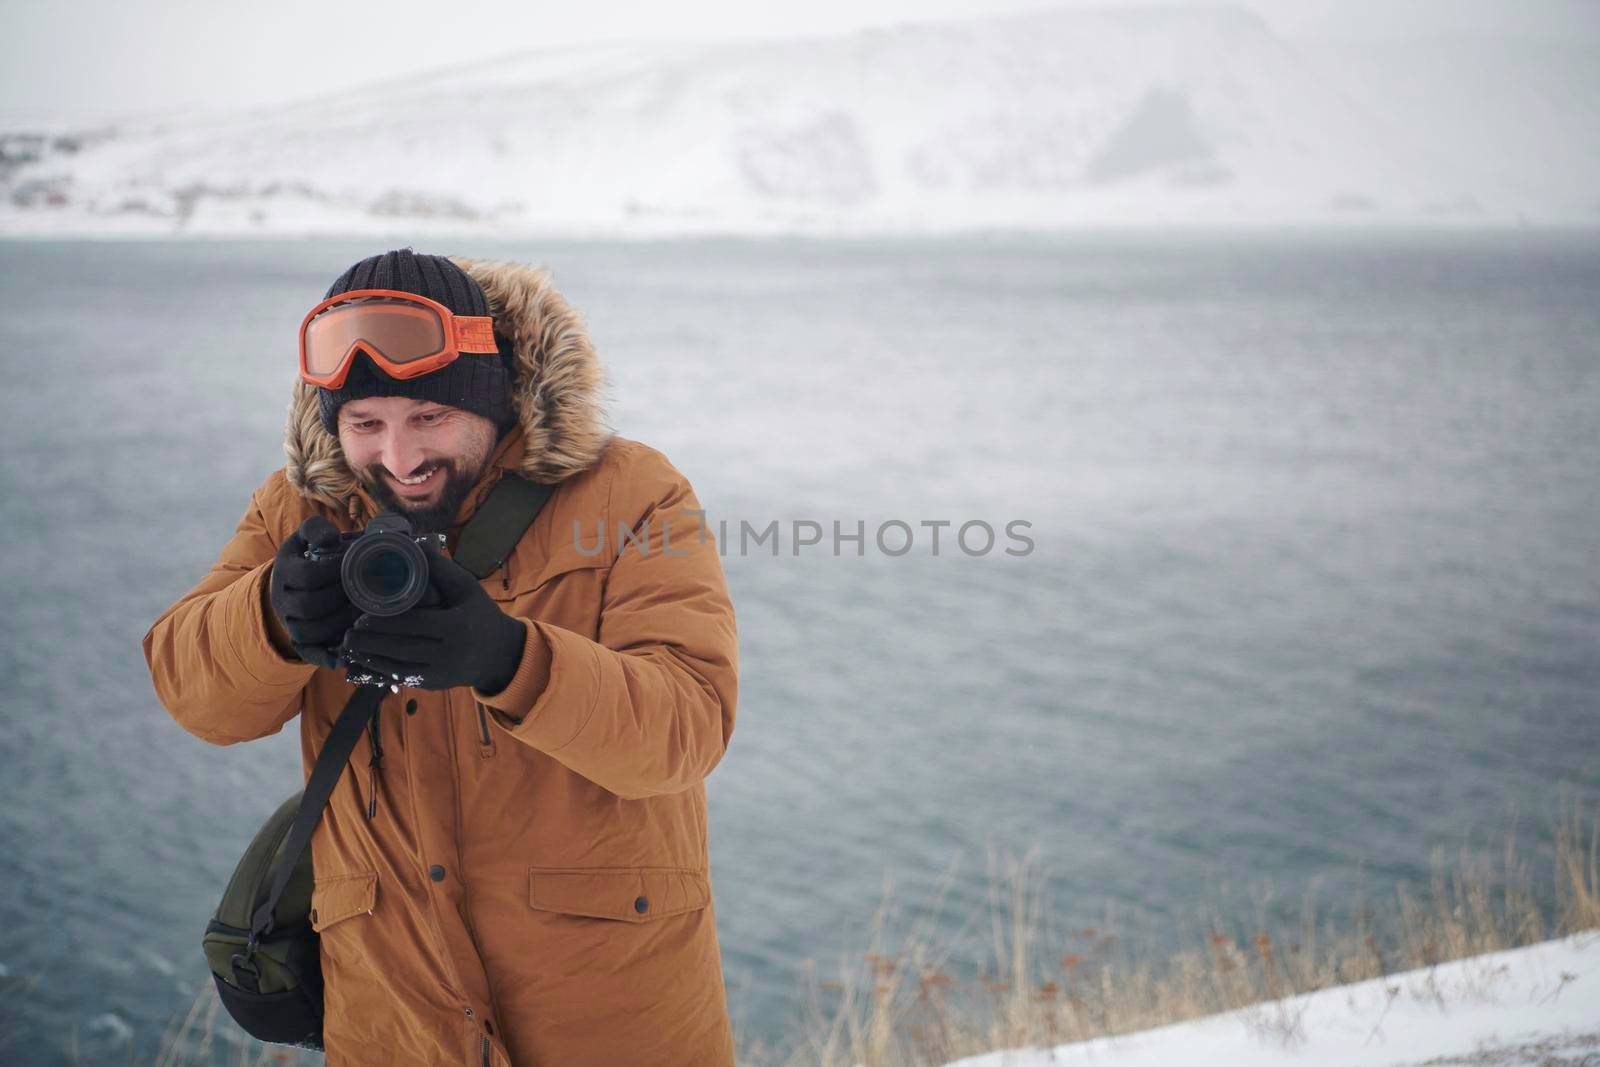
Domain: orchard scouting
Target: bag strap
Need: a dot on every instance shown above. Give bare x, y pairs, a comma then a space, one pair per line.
486, 541
499, 523
363, 703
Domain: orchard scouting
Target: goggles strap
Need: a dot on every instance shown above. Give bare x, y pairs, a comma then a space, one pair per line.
475, 333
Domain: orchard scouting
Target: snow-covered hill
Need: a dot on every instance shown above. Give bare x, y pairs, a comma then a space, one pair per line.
1040, 120
1528, 1007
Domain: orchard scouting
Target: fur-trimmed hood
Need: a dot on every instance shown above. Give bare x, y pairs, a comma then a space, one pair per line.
558, 390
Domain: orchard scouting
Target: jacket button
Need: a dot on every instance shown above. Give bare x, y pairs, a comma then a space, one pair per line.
411, 707
436, 872
641, 905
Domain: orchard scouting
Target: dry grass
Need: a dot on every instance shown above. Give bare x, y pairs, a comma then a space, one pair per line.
903, 1008
193, 1040
179, 1048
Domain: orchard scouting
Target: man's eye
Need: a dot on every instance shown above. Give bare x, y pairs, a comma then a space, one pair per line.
433, 416
369, 424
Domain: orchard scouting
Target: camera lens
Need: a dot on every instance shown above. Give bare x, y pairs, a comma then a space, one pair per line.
384, 573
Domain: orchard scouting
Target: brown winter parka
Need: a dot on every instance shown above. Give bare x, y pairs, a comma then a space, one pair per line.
518, 878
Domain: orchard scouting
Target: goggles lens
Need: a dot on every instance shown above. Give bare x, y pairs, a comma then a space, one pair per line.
403, 331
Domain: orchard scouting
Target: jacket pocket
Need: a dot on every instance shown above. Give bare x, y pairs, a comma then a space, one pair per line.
628, 894
518, 577
485, 735
339, 896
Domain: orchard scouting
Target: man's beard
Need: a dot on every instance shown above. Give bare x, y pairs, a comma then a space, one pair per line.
437, 517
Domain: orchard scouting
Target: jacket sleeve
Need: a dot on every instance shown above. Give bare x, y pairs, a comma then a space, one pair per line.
649, 708
214, 666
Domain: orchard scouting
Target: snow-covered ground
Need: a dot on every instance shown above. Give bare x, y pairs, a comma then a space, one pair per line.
1538, 1005
1043, 120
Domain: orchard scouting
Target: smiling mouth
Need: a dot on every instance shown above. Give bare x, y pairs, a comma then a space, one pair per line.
425, 481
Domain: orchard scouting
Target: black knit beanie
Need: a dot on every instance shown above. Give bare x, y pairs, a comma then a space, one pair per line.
478, 383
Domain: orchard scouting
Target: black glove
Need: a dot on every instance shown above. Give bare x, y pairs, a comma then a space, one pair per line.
461, 638
307, 595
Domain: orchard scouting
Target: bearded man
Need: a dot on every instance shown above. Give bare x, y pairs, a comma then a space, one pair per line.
523, 877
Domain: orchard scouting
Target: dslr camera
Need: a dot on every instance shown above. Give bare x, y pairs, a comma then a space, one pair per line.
383, 568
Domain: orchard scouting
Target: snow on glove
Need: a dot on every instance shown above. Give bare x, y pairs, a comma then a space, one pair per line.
462, 638
307, 595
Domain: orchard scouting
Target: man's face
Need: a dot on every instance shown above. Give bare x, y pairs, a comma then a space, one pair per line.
440, 450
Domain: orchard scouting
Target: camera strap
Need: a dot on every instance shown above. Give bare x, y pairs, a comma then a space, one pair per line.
486, 542
499, 523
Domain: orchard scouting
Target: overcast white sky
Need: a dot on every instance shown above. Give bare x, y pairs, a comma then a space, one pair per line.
91, 58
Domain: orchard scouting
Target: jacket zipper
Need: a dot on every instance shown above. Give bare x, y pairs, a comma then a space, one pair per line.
485, 738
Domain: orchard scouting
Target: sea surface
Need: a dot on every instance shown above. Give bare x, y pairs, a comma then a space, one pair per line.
1308, 582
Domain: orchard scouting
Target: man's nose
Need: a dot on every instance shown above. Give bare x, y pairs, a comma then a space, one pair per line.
402, 454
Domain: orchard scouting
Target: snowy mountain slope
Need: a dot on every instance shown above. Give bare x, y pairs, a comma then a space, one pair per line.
1514, 115
1049, 119
1528, 1006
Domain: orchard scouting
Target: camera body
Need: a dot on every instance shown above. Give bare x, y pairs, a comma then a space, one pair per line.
383, 568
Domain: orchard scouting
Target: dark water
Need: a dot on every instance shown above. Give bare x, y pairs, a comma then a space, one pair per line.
1314, 585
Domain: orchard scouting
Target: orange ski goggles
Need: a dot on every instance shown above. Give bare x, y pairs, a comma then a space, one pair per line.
405, 334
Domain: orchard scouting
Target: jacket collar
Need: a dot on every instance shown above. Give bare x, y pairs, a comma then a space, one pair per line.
558, 381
